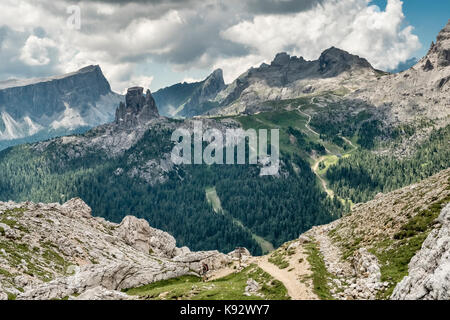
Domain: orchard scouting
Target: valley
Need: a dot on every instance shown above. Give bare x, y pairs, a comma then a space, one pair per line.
358, 209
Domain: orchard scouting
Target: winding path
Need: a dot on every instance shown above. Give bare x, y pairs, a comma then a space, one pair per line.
315, 166
315, 169
290, 276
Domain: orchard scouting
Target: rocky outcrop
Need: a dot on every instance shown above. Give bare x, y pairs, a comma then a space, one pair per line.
429, 270
138, 234
334, 61
137, 108
53, 251
441, 49
252, 287
100, 293
358, 248
420, 92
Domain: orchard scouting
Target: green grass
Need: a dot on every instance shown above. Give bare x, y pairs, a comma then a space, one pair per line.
395, 254
231, 287
213, 199
265, 245
278, 258
10, 218
5, 273
11, 296
320, 275
328, 161
277, 120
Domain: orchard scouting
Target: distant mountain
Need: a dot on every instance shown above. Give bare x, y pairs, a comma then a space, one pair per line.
37, 109
290, 77
415, 95
337, 118
190, 99
286, 77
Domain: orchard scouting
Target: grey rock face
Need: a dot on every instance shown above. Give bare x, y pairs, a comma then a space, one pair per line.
429, 269
89, 256
291, 77
420, 92
190, 99
138, 234
100, 293
334, 61
50, 106
137, 108
442, 46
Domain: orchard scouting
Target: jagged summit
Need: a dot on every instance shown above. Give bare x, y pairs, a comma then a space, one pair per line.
331, 62
334, 61
137, 108
212, 84
439, 53
190, 99
289, 77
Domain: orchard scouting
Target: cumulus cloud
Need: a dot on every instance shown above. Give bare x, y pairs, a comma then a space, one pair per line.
348, 24
36, 51
125, 37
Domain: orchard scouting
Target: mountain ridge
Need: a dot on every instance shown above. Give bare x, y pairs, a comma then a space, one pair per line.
47, 107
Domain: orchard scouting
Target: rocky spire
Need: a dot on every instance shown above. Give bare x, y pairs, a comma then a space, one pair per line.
212, 85
137, 108
439, 52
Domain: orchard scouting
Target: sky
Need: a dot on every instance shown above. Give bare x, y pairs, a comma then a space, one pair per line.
157, 43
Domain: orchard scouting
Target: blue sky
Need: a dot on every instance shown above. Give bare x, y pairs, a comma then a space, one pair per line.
154, 43
428, 17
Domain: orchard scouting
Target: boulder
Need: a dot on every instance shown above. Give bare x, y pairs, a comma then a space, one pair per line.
76, 207
138, 234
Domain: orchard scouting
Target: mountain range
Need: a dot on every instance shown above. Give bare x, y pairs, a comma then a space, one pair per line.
348, 133
38, 109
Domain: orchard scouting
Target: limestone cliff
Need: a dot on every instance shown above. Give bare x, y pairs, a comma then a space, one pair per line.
53, 251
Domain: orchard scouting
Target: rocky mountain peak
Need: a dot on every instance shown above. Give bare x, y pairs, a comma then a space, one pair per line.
137, 108
439, 52
212, 85
216, 74
334, 61
281, 59
444, 34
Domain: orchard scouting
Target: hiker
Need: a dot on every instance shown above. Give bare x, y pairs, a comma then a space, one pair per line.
204, 271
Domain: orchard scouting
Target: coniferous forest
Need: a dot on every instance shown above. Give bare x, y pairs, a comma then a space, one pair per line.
275, 208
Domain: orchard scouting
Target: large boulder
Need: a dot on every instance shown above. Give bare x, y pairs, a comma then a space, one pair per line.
138, 234
116, 276
76, 207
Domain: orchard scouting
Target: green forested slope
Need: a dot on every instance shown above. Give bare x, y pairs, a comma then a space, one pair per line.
278, 209
364, 174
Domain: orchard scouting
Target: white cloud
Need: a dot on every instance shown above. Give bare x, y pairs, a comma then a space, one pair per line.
141, 81
36, 51
124, 37
351, 25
